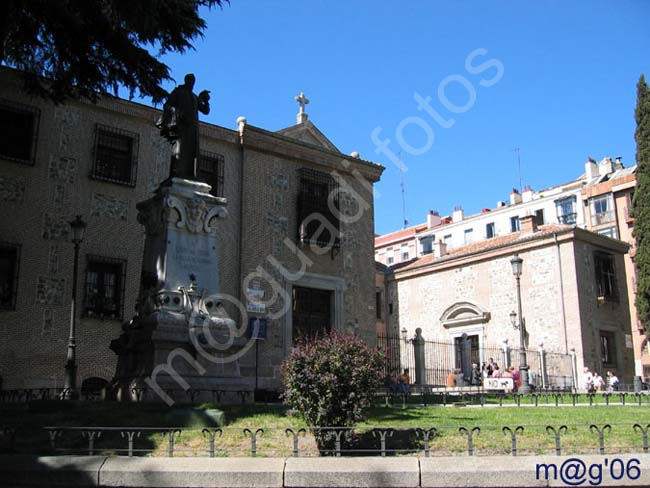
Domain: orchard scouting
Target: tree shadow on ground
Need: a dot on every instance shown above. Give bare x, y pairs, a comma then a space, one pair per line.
23, 429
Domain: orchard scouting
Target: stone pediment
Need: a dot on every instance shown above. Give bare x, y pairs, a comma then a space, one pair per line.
464, 313
307, 132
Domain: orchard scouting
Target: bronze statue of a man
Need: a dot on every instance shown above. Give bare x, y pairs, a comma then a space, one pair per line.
180, 126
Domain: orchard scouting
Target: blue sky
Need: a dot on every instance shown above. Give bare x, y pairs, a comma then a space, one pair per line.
562, 79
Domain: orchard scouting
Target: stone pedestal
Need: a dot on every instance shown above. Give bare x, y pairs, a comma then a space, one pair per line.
181, 345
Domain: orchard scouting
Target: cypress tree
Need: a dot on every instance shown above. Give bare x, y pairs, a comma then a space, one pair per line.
641, 203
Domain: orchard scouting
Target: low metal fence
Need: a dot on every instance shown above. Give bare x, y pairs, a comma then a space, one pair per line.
426, 441
191, 395
424, 396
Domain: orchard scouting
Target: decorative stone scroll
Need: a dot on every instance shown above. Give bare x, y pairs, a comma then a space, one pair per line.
68, 121
53, 260
280, 182
107, 206
278, 223
58, 196
62, 168
55, 228
12, 188
48, 320
50, 291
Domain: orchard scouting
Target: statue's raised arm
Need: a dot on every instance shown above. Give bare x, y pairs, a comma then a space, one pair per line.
179, 124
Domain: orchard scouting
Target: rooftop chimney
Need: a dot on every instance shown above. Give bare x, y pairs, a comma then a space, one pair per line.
458, 214
605, 166
591, 169
619, 163
439, 249
515, 197
527, 195
527, 224
501, 204
433, 219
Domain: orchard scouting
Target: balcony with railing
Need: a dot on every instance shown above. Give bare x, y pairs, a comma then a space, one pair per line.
569, 219
600, 218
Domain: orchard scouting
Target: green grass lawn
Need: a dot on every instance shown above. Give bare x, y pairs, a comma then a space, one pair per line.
29, 420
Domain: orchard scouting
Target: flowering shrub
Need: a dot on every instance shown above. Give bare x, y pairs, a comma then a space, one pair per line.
330, 380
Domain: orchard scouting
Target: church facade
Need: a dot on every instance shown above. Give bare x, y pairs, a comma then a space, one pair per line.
295, 249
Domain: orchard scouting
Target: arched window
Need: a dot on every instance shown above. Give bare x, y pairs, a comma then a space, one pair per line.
463, 313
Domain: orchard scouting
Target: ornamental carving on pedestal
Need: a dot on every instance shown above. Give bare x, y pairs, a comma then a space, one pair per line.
195, 215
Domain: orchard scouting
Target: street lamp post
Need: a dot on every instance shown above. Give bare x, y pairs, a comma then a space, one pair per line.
78, 227
518, 323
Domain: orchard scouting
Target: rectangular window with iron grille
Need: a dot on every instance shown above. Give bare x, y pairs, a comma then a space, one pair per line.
607, 348
116, 155
602, 209
210, 168
378, 305
18, 131
605, 276
318, 208
9, 256
566, 210
104, 287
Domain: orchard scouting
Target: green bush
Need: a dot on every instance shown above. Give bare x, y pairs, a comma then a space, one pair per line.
330, 380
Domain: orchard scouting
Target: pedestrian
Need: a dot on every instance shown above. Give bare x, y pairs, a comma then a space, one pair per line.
451, 379
477, 377
515, 377
405, 381
612, 381
587, 380
490, 367
496, 372
599, 382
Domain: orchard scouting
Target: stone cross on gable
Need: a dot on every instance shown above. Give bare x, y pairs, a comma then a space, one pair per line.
302, 100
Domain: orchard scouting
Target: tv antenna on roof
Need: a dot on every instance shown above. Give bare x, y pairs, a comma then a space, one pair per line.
403, 189
516, 149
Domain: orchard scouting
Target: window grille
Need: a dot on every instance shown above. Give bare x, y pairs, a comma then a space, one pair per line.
18, 131
210, 170
116, 155
9, 259
318, 223
605, 276
607, 348
104, 287
566, 210
378, 305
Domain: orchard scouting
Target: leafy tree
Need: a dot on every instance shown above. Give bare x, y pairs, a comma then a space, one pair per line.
642, 203
82, 48
330, 381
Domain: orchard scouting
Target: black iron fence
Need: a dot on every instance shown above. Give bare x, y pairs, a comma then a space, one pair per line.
190, 395
547, 370
426, 441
